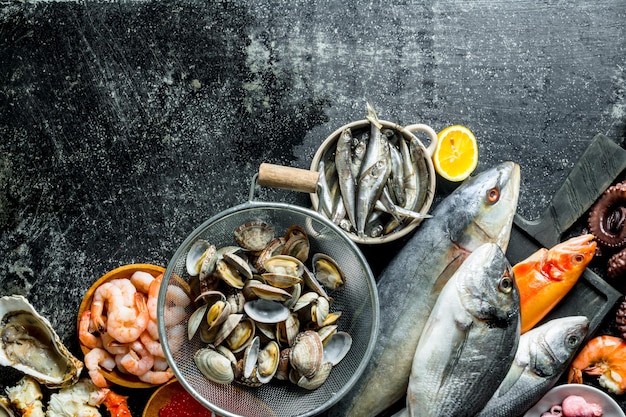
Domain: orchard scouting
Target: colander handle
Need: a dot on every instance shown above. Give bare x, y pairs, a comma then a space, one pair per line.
288, 178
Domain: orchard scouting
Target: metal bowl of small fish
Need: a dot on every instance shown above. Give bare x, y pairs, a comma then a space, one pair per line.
281, 315
376, 179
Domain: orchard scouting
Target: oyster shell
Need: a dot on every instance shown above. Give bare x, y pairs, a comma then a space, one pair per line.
30, 345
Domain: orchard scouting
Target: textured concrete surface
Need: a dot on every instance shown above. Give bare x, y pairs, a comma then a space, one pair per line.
124, 125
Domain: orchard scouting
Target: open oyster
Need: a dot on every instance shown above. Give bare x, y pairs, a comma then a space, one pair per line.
29, 344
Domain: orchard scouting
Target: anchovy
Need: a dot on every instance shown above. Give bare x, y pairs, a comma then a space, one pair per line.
480, 210
358, 153
370, 187
378, 145
469, 340
396, 179
544, 353
347, 184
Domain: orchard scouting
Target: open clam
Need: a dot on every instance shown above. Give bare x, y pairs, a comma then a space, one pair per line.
30, 345
327, 271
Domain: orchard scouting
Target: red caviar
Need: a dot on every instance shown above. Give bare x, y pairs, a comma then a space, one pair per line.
184, 405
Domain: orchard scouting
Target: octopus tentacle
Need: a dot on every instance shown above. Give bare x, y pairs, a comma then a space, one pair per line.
607, 219
617, 267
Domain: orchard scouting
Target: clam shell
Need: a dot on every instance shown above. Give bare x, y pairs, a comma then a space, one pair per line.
267, 362
229, 274
306, 353
30, 345
254, 235
284, 265
327, 271
336, 347
266, 311
215, 366
196, 255
316, 381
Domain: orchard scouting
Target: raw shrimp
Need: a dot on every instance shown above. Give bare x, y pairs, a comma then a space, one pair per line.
138, 360
111, 345
117, 405
142, 280
153, 346
160, 364
87, 338
603, 356
177, 336
95, 360
176, 299
153, 329
106, 293
126, 324
127, 288
157, 377
153, 295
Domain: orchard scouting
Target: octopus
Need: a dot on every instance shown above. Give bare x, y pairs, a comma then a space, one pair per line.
607, 219
607, 222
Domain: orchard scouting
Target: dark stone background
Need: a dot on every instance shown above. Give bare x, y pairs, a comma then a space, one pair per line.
126, 124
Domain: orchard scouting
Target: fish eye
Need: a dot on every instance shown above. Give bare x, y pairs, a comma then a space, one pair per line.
493, 195
578, 258
572, 341
506, 284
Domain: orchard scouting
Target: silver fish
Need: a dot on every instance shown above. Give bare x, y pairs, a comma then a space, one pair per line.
469, 339
480, 210
343, 163
544, 353
378, 145
370, 187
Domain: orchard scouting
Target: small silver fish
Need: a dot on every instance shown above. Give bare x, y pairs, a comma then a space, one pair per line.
370, 187
469, 340
544, 353
343, 163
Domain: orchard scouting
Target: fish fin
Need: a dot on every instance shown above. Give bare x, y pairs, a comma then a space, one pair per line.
515, 373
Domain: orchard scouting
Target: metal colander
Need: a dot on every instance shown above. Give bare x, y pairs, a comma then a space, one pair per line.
357, 300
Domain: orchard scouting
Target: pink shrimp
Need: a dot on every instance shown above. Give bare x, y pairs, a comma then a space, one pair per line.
157, 377
153, 346
153, 295
127, 289
95, 360
142, 281
160, 364
138, 360
603, 356
126, 324
104, 296
111, 345
87, 338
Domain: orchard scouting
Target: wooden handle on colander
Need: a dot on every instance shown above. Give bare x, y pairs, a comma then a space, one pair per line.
288, 178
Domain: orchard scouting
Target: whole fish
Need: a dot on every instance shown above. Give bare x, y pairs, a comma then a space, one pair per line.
370, 187
546, 276
480, 210
347, 183
542, 356
469, 340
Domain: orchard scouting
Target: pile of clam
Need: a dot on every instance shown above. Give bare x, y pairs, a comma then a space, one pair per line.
262, 313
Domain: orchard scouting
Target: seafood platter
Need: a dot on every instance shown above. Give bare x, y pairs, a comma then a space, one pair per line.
270, 309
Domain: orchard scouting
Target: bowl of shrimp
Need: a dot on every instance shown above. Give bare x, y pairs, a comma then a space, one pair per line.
117, 328
575, 400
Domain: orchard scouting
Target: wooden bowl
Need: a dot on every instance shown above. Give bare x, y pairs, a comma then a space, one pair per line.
162, 397
125, 380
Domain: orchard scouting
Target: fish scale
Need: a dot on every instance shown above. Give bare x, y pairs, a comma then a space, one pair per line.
409, 285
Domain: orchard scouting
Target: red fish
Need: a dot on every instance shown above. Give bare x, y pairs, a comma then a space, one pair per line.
546, 276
